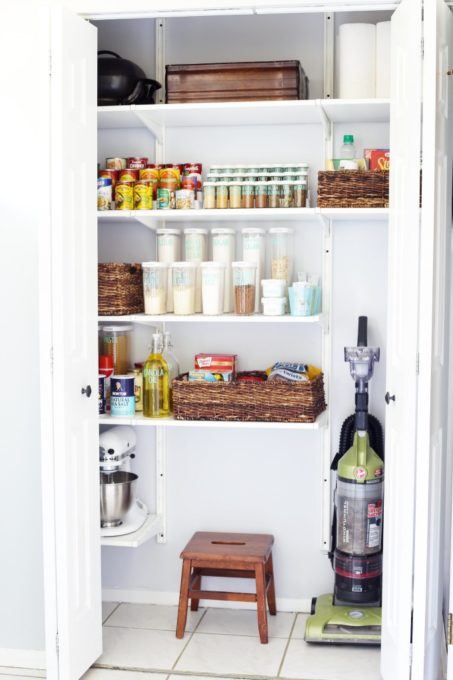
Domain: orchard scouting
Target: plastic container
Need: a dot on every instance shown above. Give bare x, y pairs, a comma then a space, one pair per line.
273, 288
244, 285
254, 250
359, 517
212, 286
184, 283
274, 306
223, 249
196, 250
248, 194
116, 343
347, 150
221, 195
281, 246
155, 280
209, 195
169, 250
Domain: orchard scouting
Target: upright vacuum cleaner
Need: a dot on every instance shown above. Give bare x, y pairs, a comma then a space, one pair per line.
352, 615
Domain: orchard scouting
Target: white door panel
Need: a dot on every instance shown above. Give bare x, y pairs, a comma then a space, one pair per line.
74, 316
401, 379
432, 503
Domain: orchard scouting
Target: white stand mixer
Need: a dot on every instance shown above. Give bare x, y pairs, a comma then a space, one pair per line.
116, 449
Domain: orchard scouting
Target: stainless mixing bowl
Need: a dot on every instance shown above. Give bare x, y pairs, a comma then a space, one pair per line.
117, 496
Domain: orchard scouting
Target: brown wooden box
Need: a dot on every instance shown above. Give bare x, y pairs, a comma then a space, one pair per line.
245, 81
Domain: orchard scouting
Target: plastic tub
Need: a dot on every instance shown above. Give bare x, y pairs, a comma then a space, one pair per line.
273, 288
273, 306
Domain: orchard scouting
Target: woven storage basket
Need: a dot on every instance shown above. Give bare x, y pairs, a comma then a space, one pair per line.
120, 288
246, 401
353, 189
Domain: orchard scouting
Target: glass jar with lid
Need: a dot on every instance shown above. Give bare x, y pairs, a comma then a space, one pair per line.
116, 343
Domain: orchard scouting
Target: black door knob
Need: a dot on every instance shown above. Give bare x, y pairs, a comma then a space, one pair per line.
389, 397
87, 390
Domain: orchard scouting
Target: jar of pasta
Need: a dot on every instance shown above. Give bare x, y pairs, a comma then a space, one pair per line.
281, 248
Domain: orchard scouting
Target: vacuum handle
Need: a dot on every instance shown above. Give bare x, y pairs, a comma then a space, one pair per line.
362, 340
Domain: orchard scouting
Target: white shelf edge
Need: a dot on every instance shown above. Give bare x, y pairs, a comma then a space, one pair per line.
150, 528
140, 420
204, 318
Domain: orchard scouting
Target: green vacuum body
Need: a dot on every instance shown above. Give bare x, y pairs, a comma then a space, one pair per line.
352, 614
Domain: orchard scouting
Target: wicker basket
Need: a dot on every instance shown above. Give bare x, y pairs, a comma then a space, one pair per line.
120, 289
246, 401
353, 189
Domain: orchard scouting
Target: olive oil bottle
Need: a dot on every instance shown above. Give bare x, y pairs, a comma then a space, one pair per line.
156, 383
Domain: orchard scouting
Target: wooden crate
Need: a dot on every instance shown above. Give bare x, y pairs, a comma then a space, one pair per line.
242, 81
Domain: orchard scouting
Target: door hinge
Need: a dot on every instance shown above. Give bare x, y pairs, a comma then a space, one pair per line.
450, 629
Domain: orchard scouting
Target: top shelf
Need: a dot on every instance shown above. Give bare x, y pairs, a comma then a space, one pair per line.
313, 111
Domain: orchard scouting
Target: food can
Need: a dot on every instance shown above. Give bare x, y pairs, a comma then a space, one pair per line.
150, 172
104, 193
185, 199
168, 183
129, 175
114, 176
193, 168
124, 195
138, 386
190, 182
115, 163
143, 195
137, 163
164, 199
172, 174
101, 394
122, 395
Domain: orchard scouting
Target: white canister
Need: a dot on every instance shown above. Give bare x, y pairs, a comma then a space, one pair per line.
223, 248
274, 288
254, 250
212, 285
273, 306
184, 283
169, 250
196, 250
155, 278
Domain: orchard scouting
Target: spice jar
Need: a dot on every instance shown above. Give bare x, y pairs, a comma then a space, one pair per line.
196, 250
281, 253
223, 251
116, 343
300, 192
244, 286
169, 250
273, 194
286, 195
235, 194
221, 195
209, 195
261, 194
248, 194
254, 250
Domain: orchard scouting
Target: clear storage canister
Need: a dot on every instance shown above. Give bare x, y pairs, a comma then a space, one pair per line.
221, 195
209, 195
223, 249
155, 280
248, 194
244, 286
281, 247
184, 284
235, 189
300, 187
196, 250
212, 285
116, 343
169, 250
254, 250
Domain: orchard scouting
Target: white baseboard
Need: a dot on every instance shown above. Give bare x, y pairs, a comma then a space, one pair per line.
23, 658
284, 604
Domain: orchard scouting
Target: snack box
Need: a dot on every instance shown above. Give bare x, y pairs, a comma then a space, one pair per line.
216, 363
377, 159
200, 375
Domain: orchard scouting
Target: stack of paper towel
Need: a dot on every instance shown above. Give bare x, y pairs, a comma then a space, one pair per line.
363, 61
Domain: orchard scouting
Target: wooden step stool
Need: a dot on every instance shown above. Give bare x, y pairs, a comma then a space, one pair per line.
232, 555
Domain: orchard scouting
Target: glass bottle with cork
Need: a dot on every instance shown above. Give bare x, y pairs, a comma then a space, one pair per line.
156, 387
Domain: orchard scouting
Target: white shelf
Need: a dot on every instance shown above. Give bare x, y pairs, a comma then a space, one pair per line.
354, 214
148, 319
312, 111
140, 420
150, 528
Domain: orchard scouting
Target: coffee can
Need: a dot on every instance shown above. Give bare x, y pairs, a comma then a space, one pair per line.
122, 395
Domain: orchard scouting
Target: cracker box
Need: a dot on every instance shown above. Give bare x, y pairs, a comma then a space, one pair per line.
377, 159
216, 363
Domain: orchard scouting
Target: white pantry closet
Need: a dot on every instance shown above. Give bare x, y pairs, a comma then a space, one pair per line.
390, 265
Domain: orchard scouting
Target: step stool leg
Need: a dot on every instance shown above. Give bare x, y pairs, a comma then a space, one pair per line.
261, 602
271, 589
183, 599
196, 585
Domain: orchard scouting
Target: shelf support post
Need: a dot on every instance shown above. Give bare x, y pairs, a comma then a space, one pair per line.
160, 57
327, 365
328, 132
329, 61
161, 455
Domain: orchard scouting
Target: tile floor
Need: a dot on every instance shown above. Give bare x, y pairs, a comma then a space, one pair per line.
219, 644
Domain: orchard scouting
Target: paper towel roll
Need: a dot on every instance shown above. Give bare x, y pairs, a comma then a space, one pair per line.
356, 61
383, 59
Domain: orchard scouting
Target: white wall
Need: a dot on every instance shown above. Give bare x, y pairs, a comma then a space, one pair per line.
21, 567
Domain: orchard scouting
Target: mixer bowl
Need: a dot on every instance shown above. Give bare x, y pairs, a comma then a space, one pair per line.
117, 496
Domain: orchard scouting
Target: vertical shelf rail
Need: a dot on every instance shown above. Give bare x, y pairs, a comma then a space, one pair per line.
329, 56
161, 482
326, 364
160, 32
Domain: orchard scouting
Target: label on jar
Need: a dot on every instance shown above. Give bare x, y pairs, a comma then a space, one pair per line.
122, 395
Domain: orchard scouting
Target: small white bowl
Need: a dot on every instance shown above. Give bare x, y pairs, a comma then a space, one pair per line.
273, 306
273, 288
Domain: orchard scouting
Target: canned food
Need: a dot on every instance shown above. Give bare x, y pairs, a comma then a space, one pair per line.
104, 193
129, 175
185, 199
115, 163
190, 182
168, 183
137, 163
114, 176
150, 172
122, 395
173, 174
164, 199
124, 195
143, 195
193, 168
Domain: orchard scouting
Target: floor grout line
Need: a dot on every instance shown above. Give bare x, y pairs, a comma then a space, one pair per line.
190, 637
286, 647
111, 613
